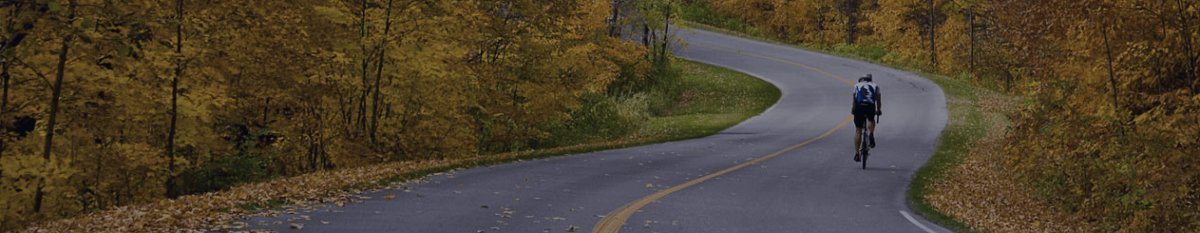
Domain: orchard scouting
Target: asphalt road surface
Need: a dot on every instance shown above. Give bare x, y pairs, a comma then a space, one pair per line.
787, 170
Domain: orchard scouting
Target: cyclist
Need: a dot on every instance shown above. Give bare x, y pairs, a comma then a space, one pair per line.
866, 107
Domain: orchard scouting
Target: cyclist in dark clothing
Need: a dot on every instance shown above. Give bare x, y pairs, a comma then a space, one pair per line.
866, 107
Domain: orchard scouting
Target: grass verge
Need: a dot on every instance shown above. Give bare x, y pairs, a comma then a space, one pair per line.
710, 99
965, 128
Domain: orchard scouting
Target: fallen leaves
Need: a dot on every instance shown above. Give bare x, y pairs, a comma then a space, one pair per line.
984, 195
218, 210
215, 211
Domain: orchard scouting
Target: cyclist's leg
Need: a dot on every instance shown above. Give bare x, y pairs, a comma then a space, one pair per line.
857, 139
871, 134
871, 125
859, 123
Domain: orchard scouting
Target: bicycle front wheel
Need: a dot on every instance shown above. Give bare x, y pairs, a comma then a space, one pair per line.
864, 159
866, 151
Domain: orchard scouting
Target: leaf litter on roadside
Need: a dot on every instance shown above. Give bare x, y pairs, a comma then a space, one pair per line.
981, 193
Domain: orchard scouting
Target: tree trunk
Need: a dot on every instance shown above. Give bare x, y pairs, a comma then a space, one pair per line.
312, 151
971, 25
850, 8
666, 31
174, 102
362, 104
646, 35
54, 97
378, 74
932, 47
1112, 76
4, 76
612, 25
1008, 77
1187, 46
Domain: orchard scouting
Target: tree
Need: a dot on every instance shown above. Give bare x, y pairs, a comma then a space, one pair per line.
932, 42
54, 102
849, 9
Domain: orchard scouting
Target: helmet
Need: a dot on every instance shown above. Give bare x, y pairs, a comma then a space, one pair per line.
865, 78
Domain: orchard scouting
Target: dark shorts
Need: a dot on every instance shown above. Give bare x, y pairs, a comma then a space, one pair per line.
862, 114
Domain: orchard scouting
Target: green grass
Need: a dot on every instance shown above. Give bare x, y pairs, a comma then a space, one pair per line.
711, 99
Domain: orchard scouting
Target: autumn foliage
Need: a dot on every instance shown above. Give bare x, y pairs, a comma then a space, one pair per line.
1108, 125
110, 103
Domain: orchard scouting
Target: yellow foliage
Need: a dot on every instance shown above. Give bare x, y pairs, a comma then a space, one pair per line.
300, 86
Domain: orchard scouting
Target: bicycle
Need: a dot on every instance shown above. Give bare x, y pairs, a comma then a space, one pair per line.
865, 148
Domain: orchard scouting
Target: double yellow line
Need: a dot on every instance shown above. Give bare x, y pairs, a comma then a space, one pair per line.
612, 222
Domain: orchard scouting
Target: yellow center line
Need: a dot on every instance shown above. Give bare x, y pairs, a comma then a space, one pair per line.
612, 222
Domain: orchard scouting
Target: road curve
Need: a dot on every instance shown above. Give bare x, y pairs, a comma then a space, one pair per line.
789, 169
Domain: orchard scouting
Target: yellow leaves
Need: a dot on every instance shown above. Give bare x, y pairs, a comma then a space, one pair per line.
298, 70
335, 15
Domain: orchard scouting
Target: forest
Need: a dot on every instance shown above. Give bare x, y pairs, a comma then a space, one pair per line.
1107, 125
112, 103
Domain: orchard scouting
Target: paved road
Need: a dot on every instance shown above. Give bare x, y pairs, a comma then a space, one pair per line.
753, 177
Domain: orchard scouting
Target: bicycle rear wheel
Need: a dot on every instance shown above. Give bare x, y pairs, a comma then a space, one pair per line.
866, 151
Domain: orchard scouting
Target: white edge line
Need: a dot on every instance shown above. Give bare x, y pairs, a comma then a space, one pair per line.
915, 222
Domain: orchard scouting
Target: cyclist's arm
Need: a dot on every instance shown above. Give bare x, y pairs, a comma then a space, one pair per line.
878, 100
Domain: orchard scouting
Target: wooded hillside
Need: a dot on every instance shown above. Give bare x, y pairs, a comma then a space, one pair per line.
109, 103
1108, 126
